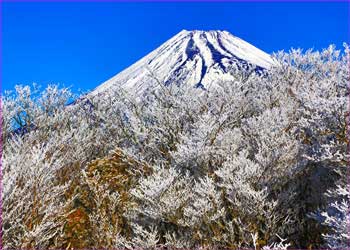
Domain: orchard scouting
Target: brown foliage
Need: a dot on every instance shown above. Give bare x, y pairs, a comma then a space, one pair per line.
119, 173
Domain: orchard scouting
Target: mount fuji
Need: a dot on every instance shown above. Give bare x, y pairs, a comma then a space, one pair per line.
198, 58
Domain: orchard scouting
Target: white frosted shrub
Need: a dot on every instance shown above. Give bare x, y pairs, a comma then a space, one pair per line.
259, 162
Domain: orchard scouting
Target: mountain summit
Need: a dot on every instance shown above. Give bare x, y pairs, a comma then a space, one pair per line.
199, 58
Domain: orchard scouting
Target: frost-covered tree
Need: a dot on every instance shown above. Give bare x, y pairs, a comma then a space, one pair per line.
258, 162
337, 218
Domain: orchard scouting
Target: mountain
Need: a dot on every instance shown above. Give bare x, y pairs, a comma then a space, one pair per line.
199, 58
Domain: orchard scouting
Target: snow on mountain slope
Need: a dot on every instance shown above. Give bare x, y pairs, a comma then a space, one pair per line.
199, 58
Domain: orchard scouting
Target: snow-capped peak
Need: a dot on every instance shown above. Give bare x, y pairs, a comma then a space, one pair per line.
191, 57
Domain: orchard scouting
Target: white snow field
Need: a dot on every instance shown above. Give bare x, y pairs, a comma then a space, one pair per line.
199, 58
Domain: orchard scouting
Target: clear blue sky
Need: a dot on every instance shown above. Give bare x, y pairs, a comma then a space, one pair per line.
84, 44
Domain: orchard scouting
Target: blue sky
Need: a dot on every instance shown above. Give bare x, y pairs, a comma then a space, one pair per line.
83, 44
